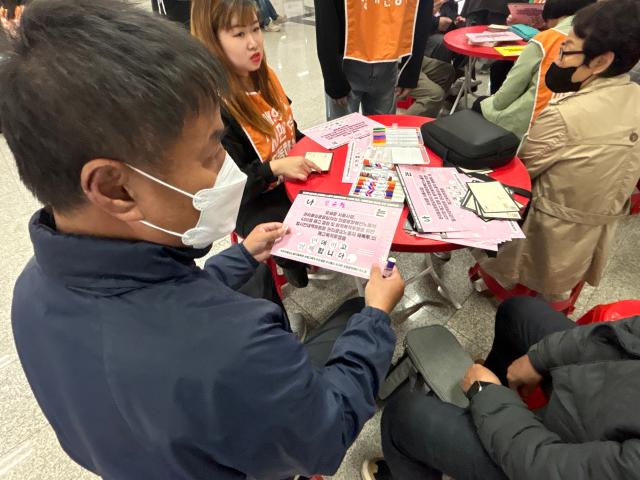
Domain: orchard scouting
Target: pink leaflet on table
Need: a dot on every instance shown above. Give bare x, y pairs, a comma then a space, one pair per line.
339, 233
338, 132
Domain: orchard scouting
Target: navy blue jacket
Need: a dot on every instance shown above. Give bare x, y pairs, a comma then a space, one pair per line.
148, 367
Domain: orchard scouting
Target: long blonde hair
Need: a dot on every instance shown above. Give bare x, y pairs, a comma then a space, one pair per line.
208, 17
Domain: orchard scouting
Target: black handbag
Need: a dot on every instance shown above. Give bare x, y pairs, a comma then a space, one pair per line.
433, 360
466, 139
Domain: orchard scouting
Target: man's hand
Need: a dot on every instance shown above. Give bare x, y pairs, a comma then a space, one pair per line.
293, 168
522, 376
384, 293
460, 21
444, 23
478, 373
261, 239
402, 92
342, 101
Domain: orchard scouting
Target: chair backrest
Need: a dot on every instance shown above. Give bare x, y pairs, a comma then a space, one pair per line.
611, 312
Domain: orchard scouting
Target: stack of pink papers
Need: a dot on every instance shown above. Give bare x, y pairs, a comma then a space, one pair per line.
339, 233
434, 196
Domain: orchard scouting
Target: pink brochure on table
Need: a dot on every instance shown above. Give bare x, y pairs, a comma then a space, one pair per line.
339, 233
342, 130
434, 196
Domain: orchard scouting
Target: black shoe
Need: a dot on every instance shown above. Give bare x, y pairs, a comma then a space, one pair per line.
376, 469
297, 276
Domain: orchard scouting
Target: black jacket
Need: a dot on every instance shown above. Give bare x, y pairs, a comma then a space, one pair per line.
591, 426
330, 38
239, 147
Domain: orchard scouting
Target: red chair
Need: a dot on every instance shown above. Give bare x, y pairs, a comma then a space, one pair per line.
600, 313
279, 279
405, 103
635, 200
565, 306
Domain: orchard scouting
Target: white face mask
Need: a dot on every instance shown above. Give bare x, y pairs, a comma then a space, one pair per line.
218, 206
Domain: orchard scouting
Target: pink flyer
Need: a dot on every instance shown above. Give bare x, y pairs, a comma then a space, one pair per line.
339, 233
342, 130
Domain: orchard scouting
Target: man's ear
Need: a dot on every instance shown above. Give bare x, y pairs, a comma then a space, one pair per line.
104, 183
602, 62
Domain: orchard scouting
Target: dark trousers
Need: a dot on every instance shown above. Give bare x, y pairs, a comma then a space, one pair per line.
261, 285
272, 206
500, 69
177, 11
423, 437
319, 342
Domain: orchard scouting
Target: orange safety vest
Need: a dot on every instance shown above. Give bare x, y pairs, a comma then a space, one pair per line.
379, 30
549, 41
280, 143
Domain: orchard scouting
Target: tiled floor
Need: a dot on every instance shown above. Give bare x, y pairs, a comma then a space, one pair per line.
28, 447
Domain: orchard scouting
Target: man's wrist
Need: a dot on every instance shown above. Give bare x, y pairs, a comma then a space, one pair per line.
477, 387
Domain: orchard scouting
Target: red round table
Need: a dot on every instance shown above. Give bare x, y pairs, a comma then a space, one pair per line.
456, 41
514, 173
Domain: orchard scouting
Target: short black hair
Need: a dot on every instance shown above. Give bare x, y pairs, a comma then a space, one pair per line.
563, 8
611, 26
89, 79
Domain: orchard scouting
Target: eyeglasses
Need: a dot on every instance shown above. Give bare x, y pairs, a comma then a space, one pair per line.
564, 53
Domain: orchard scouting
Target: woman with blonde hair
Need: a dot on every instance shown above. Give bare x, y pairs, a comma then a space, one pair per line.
257, 114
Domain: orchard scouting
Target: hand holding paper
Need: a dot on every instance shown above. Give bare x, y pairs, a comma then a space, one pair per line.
261, 239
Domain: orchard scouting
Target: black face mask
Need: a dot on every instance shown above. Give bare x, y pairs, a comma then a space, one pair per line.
558, 79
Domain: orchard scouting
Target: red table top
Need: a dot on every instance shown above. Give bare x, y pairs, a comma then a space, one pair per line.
456, 41
514, 173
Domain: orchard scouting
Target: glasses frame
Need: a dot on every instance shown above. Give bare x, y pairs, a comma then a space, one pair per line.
564, 53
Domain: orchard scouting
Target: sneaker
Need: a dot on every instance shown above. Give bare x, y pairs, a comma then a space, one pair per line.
298, 324
376, 469
280, 20
320, 274
272, 27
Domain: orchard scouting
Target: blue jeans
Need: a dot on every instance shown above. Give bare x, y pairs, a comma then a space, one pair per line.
267, 11
372, 88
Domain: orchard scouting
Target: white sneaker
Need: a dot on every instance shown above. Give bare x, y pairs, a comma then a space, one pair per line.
280, 20
271, 27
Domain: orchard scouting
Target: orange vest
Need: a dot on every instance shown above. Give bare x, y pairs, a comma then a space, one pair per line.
379, 30
284, 132
550, 42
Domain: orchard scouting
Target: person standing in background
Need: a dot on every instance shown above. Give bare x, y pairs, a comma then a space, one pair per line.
270, 20
370, 52
175, 10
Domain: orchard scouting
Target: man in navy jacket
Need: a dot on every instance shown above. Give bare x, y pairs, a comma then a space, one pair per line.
146, 366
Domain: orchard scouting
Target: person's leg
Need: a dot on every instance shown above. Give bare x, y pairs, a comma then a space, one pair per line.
476, 107
428, 96
441, 75
272, 206
379, 96
334, 110
424, 437
319, 342
261, 285
520, 323
271, 10
477, 18
178, 11
498, 72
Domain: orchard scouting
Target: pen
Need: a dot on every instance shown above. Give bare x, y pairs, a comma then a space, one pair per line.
388, 270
